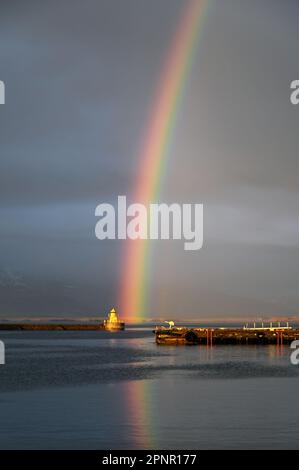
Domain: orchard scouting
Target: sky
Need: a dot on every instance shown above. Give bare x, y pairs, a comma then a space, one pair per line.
80, 79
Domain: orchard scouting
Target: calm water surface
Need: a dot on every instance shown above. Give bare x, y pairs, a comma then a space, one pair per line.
99, 390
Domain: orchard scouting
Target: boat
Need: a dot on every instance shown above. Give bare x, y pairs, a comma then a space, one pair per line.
113, 322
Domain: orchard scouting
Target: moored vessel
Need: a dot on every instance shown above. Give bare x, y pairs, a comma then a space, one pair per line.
274, 334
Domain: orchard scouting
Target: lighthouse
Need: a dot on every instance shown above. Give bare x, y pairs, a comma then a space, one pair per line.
113, 321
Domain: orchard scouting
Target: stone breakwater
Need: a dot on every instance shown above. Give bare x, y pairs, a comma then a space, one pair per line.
50, 327
210, 336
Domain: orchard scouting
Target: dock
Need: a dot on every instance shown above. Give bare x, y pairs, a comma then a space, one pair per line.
221, 336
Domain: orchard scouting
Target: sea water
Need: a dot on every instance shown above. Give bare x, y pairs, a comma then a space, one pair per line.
100, 390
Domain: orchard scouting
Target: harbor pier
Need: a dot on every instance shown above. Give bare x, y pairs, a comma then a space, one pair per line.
212, 336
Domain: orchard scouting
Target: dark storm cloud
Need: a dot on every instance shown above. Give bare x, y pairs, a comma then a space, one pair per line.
80, 78
78, 82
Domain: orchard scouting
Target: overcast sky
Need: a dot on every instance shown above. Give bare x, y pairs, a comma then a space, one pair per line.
80, 78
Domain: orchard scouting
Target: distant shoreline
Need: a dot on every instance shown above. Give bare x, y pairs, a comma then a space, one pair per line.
50, 327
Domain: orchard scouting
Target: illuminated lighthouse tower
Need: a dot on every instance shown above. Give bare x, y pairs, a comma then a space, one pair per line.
113, 321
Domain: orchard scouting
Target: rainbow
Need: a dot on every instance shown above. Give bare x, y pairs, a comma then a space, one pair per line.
155, 150
139, 404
